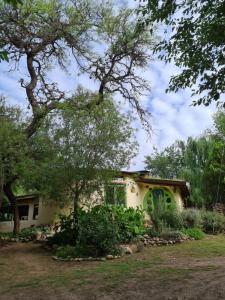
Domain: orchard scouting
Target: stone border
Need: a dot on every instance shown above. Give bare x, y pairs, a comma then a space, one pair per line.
107, 257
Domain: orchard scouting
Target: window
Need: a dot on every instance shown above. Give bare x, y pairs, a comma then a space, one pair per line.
6, 213
115, 194
23, 212
35, 212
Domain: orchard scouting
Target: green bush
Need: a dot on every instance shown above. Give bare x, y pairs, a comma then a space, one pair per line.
172, 219
191, 218
67, 252
130, 222
100, 229
195, 233
66, 236
98, 232
162, 217
213, 222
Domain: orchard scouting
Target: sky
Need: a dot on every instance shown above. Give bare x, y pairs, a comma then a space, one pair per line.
173, 116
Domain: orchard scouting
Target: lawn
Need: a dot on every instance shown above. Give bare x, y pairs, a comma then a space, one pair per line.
191, 270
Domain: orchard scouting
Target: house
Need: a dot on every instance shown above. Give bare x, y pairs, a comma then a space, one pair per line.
130, 189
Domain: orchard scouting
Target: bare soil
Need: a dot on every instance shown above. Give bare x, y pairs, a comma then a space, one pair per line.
193, 270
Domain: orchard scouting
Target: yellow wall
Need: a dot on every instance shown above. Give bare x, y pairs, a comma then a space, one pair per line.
136, 192
49, 211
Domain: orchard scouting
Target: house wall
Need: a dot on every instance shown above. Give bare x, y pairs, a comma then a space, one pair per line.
49, 211
48, 214
136, 192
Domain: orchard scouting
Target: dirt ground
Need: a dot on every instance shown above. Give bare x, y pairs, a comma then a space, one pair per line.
192, 270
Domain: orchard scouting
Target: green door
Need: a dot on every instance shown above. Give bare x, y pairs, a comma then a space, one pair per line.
157, 198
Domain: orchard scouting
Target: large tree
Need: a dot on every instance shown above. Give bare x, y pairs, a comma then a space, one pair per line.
87, 151
199, 161
194, 39
105, 43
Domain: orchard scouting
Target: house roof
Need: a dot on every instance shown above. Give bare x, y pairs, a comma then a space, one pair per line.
27, 197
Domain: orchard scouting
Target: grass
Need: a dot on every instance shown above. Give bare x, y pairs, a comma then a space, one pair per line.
162, 264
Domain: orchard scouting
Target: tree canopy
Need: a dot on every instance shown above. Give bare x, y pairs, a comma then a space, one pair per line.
103, 42
199, 161
194, 39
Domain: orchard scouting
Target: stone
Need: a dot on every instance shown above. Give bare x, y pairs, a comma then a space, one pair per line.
134, 248
55, 257
38, 236
110, 256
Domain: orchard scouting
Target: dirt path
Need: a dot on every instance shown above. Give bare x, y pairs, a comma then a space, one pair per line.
195, 270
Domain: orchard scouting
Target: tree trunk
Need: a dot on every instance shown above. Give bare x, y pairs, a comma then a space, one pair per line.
1, 190
75, 215
13, 201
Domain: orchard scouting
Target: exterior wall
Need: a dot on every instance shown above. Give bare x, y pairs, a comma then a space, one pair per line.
136, 192
49, 211
47, 214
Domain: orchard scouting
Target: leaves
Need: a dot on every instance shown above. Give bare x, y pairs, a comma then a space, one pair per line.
194, 37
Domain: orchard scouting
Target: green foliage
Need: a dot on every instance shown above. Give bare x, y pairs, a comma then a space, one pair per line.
170, 233
167, 163
195, 233
195, 43
100, 229
163, 217
66, 235
172, 218
67, 252
130, 222
200, 161
89, 147
213, 222
191, 218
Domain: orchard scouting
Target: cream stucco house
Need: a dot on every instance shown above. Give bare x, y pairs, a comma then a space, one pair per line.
131, 189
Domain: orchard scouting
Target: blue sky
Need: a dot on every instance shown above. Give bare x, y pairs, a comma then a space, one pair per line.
173, 117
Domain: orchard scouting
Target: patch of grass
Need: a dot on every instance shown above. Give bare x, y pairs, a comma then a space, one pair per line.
154, 263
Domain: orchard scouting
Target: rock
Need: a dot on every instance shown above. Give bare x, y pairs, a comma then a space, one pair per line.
110, 256
101, 259
38, 236
134, 248
140, 246
125, 249
55, 257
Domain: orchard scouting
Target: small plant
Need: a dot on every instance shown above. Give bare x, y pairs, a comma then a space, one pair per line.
213, 222
66, 236
191, 218
168, 233
195, 233
67, 252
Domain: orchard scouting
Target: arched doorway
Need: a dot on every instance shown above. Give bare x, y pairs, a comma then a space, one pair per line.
156, 198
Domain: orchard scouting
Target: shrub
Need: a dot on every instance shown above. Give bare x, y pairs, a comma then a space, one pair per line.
191, 218
162, 217
130, 222
98, 231
66, 236
168, 233
173, 219
213, 222
67, 252
195, 233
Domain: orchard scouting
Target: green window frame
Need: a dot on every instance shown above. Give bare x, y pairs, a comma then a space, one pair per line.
115, 194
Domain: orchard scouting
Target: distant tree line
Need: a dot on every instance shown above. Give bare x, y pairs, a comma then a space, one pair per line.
200, 161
